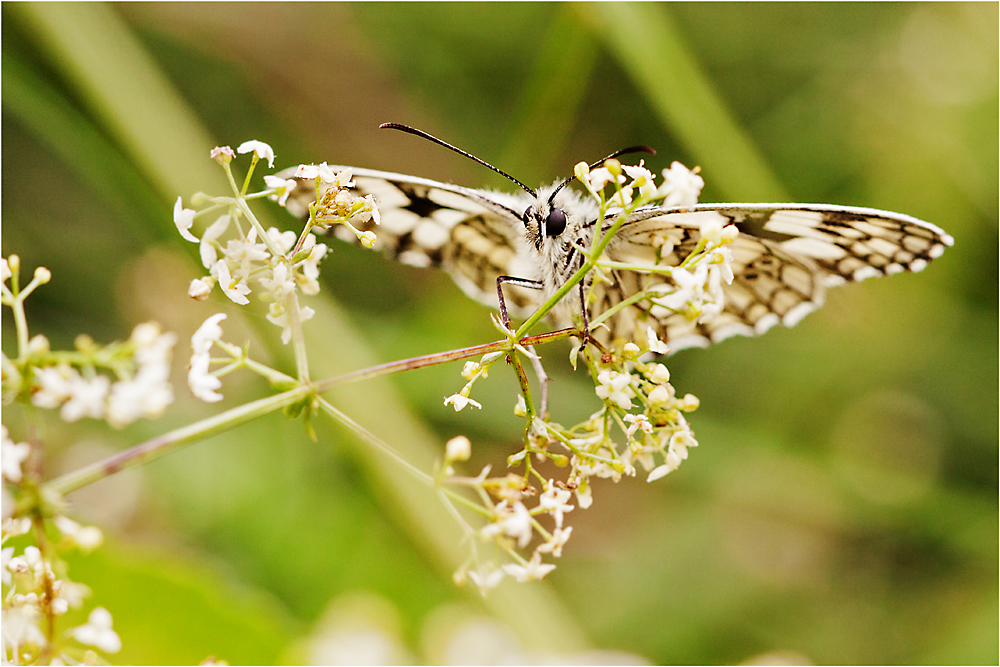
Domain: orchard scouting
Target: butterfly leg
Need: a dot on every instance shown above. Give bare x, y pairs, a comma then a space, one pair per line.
520, 282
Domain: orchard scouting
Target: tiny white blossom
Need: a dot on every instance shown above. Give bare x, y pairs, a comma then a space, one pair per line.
278, 316
680, 186
654, 343
321, 171
600, 177
638, 422
660, 374
368, 239
98, 632
184, 219
534, 570
202, 383
514, 521
236, 291
262, 150
459, 402
520, 409
282, 188
711, 229
12, 456
280, 284
283, 240
222, 154
614, 386
470, 369
554, 501
208, 333
555, 543
201, 288
87, 538
458, 448
20, 627
660, 395
86, 398
206, 248
486, 579
631, 350
642, 178
54, 385
659, 471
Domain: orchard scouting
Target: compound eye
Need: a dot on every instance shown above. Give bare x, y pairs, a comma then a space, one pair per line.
555, 224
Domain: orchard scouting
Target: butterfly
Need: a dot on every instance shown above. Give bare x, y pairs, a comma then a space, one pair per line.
513, 251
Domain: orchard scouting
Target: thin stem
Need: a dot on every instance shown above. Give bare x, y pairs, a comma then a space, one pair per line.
434, 359
374, 440
173, 441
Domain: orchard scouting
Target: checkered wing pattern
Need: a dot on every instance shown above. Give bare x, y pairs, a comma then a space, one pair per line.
784, 259
474, 235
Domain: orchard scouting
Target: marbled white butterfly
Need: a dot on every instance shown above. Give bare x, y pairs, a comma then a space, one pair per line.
784, 258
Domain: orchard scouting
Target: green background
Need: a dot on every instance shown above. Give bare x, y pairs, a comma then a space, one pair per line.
842, 507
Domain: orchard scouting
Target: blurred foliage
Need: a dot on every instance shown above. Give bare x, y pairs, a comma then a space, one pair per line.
843, 504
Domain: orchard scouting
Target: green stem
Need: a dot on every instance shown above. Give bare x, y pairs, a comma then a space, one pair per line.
173, 441
374, 440
434, 359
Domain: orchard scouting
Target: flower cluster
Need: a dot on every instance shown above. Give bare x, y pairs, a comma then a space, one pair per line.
34, 595
120, 382
642, 422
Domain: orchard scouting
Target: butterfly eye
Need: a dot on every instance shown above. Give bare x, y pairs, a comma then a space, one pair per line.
555, 224
526, 216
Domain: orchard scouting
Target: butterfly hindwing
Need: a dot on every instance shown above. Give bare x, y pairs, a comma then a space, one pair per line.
783, 261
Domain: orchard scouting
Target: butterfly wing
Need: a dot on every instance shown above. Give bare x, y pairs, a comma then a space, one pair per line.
784, 259
472, 234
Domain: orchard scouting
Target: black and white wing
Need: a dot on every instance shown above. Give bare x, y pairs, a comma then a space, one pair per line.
475, 235
784, 259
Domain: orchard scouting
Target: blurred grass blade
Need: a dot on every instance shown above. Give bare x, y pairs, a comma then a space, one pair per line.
62, 129
646, 41
126, 92
548, 107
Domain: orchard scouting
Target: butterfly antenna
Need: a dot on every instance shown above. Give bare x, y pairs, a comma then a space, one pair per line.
429, 137
624, 151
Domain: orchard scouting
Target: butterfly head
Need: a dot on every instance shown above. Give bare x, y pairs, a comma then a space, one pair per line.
542, 219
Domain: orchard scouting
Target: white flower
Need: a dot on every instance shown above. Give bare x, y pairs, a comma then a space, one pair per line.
660, 374
486, 579
201, 288
614, 387
680, 186
284, 241
206, 248
554, 501
280, 284
470, 369
458, 449
208, 333
236, 291
368, 239
660, 471
600, 177
282, 188
513, 521
459, 402
262, 150
184, 219
13, 455
98, 632
372, 209
222, 154
5, 573
321, 171
660, 395
520, 409
555, 543
638, 422
20, 627
87, 538
86, 398
642, 178
631, 350
54, 384
654, 343
244, 253
146, 395
202, 383
279, 317
307, 280
535, 569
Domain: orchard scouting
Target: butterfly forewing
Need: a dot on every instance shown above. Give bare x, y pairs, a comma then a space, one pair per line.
473, 235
